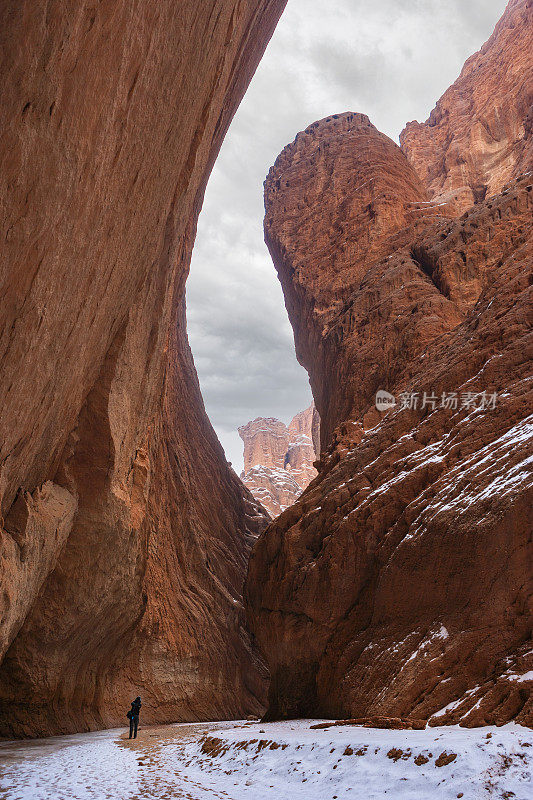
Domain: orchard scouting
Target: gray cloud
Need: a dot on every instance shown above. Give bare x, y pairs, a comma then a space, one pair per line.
390, 59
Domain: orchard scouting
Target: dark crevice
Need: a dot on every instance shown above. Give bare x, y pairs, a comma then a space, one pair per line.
430, 268
479, 192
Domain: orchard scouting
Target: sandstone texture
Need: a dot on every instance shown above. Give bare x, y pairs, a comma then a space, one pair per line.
124, 534
480, 133
278, 459
400, 584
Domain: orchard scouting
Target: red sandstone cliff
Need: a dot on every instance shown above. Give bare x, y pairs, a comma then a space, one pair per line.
278, 459
124, 533
480, 133
266, 440
401, 583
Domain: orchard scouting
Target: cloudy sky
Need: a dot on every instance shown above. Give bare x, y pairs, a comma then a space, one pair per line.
390, 59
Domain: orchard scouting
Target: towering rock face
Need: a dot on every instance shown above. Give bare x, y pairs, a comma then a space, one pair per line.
124, 533
266, 441
344, 194
480, 133
307, 423
278, 459
400, 582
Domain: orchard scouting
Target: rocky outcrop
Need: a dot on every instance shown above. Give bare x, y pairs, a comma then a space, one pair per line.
266, 440
273, 487
341, 194
278, 459
124, 533
480, 133
304, 431
400, 583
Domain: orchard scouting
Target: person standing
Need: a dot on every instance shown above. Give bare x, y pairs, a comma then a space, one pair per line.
133, 716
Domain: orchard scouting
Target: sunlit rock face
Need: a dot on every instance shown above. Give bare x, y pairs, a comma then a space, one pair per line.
278, 458
400, 583
125, 534
480, 133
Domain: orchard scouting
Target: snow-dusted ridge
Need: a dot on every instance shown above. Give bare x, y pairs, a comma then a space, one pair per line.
288, 760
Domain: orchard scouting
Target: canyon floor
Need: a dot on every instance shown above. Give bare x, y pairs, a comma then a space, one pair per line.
284, 760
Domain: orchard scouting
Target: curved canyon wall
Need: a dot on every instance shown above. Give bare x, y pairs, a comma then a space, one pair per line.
400, 584
125, 534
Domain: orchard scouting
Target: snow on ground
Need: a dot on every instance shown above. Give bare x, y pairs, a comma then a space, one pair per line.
276, 761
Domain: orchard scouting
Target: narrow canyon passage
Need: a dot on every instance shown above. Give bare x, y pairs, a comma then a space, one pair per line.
393, 594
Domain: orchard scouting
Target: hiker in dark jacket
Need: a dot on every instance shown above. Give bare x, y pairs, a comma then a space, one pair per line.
133, 716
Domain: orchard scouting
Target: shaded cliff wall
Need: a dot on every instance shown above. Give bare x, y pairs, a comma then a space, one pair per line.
125, 533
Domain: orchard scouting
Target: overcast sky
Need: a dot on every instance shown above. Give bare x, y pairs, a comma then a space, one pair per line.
390, 59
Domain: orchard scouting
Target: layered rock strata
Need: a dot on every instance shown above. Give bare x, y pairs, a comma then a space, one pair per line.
124, 533
278, 459
400, 584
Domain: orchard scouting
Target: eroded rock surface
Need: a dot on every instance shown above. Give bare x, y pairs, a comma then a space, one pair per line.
278, 458
480, 133
125, 534
400, 584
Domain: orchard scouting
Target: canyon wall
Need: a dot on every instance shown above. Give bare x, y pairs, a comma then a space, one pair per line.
400, 583
278, 458
480, 133
124, 534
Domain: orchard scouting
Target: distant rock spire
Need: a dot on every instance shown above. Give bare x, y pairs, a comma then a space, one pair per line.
278, 458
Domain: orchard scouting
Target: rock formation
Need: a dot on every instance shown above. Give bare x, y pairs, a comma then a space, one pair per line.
278, 459
307, 423
265, 442
400, 584
480, 133
124, 533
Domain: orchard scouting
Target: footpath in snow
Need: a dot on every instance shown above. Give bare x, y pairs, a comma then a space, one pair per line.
278, 761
